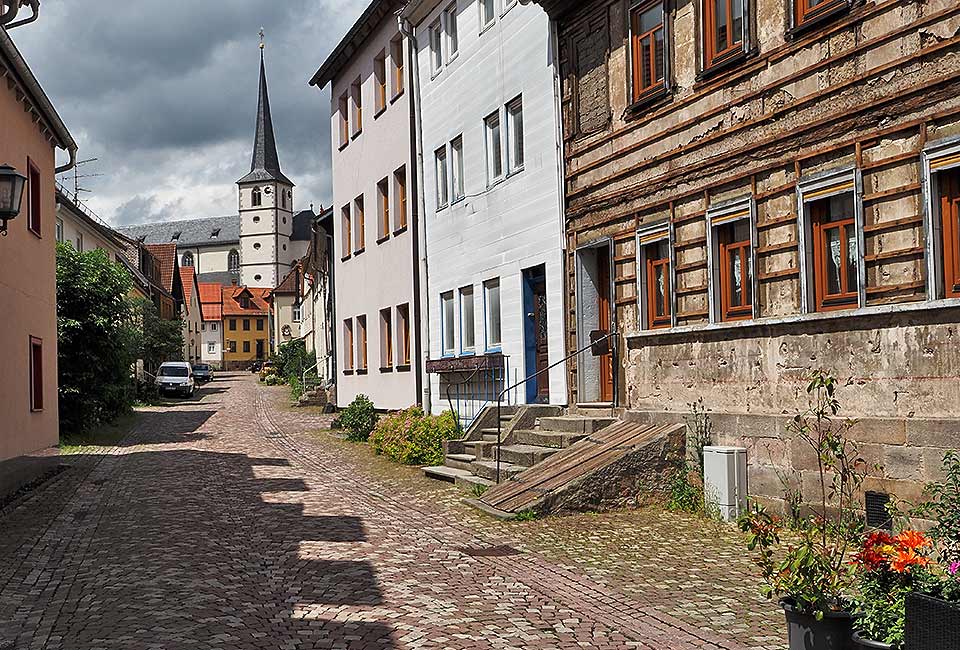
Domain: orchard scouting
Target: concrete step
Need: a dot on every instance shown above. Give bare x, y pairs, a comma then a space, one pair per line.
470, 483
459, 461
552, 439
488, 469
526, 455
444, 473
491, 434
478, 447
574, 424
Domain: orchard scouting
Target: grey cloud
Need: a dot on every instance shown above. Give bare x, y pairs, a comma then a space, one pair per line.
146, 209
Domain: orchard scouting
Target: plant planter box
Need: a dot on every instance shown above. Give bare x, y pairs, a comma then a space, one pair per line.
867, 644
805, 632
931, 624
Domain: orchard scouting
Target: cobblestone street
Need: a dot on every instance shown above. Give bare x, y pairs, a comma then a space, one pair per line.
228, 521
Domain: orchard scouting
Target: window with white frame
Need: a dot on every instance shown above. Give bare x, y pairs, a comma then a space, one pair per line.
468, 335
436, 47
453, 39
440, 157
386, 339
515, 135
941, 168
211, 347
456, 151
59, 230
731, 260
213, 327
491, 310
297, 314
831, 223
348, 345
488, 12
491, 129
447, 324
655, 277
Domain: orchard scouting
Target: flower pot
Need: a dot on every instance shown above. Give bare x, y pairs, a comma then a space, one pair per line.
931, 624
805, 632
860, 643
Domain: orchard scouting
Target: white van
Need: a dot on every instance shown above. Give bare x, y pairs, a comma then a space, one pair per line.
176, 377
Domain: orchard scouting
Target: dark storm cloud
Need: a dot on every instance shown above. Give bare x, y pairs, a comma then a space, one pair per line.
163, 92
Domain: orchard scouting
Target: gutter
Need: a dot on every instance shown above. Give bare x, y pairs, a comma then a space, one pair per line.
421, 274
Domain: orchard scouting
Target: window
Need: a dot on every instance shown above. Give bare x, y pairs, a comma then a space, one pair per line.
348, 344
396, 58
731, 261
440, 156
232, 346
233, 324
436, 48
246, 346
648, 51
359, 235
36, 374
259, 324
453, 40
343, 115
515, 135
35, 197
233, 261
213, 327
400, 197
467, 325
949, 185
297, 314
491, 307
361, 343
494, 147
256, 197
488, 11
60, 231
383, 209
357, 95
834, 252
345, 242
386, 339
79, 242
447, 324
211, 347
654, 250
723, 30
187, 259
283, 201
456, 150
246, 324
403, 334
380, 80
807, 11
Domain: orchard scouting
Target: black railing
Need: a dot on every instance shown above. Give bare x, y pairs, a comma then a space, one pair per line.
470, 393
593, 344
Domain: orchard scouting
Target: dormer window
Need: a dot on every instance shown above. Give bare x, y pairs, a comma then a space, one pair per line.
244, 302
176, 236
215, 234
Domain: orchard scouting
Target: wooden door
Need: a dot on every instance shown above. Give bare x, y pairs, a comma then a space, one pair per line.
603, 312
950, 214
538, 287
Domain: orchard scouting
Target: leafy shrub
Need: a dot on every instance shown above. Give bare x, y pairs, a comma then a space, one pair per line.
943, 507
411, 437
359, 419
686, 492
272, 380
296, 388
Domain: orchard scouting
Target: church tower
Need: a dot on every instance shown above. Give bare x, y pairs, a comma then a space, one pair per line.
266, 205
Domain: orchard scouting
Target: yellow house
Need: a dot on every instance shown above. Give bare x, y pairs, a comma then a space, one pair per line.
246, 326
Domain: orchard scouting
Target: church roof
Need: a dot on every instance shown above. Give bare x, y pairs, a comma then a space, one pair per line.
188, 233
302, 225
265, 165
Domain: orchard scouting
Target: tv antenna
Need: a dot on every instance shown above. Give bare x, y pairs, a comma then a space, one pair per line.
77, 176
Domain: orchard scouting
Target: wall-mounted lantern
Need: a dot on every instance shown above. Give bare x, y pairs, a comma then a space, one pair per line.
11, 195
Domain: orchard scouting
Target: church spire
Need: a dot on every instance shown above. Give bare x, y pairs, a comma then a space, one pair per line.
265, 165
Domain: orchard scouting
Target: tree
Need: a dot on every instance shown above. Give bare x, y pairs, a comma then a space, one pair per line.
96, 338
159, 339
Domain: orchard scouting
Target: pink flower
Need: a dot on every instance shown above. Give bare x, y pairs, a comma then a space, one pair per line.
954, 568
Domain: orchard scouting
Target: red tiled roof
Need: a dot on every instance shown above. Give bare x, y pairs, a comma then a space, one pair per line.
289, 283
258, 302
166, 256
211, 300
187, 278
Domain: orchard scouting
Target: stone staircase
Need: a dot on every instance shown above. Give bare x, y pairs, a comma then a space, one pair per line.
529, 434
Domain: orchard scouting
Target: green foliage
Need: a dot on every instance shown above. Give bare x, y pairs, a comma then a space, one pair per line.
412, 438
160, 339
942, 505
272, 380
699, 433
291, 359
296, 388
97, 339
686, 492
526, 515
359, 419
479, 489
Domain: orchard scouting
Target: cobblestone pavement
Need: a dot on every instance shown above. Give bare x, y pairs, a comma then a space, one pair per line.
226, 522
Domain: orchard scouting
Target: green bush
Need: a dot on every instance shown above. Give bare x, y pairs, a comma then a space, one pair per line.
272, 380
359, 419
296, 388
412, 438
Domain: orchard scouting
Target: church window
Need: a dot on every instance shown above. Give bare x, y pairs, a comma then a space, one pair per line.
187, 259
256, 197
283, 199
233, 261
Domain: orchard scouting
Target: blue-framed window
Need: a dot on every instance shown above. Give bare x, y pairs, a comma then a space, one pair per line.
468, 328
492, 332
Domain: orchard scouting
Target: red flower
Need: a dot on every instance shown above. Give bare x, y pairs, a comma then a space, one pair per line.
912, 540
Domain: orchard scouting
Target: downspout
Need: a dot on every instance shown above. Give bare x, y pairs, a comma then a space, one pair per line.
421, 308
70, 164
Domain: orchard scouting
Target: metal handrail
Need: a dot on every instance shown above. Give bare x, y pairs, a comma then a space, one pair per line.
614, 363
450, 384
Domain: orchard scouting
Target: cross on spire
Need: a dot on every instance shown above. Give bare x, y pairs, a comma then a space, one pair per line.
261, 38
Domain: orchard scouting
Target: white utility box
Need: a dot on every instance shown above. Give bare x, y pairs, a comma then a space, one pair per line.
725, 480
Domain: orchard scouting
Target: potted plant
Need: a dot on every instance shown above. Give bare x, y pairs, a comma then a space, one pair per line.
811, 576
888, 568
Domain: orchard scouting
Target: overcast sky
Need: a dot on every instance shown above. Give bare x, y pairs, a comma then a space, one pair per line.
164, 93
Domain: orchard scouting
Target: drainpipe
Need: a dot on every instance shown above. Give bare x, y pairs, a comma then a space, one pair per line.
421, 308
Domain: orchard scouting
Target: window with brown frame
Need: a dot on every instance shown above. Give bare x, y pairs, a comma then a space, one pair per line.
833, 226
344, 115
36, 374
400, 196
361, 343
359, 235
403, 331
736, 270
949, 183
806, 11
348, 345
345, 229
356, 92
396, 57
386, 339
380, 79
723, 30
648, 48
383, 209
35, 197
656, 278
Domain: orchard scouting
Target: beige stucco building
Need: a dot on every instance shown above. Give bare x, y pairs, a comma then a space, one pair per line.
30, 133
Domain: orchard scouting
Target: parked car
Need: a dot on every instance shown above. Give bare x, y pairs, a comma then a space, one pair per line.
176, 377
202, 373
267, 369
